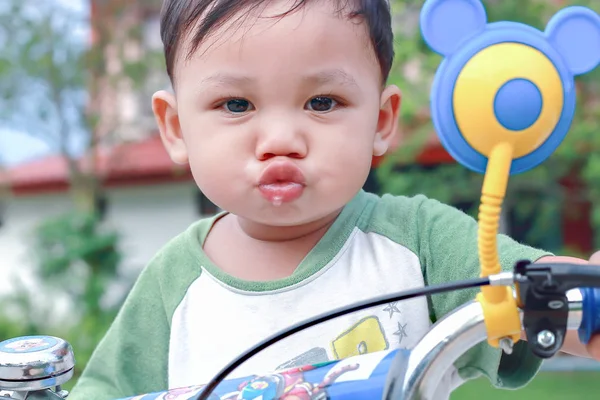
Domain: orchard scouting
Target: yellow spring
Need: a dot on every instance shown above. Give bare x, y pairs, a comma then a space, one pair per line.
492, 196
489, 218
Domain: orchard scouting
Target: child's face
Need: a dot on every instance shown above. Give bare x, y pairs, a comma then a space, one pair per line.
279, 119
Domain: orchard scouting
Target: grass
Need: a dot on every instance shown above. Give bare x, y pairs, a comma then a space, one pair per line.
546, 386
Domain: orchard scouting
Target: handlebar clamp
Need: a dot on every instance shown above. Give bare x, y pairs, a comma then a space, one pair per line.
542, 295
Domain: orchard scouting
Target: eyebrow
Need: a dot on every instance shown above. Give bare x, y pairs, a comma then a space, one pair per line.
329, 76
222, 79
336, 76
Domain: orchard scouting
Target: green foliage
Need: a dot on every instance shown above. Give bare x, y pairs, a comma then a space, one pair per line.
575, 385
64, 243
47, 71
41, 72
78, 257
534, 196
79, 245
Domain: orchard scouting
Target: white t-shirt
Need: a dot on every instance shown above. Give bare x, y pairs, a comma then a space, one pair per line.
185, 318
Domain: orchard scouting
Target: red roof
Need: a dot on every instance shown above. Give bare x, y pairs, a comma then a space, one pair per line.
144, 162
136, 163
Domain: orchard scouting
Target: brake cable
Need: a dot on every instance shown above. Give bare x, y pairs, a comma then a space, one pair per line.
318, 319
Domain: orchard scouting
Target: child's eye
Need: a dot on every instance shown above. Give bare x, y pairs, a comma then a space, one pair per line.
237, 106
321, 104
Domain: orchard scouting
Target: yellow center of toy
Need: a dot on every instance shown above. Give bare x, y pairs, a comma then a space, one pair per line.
476, 90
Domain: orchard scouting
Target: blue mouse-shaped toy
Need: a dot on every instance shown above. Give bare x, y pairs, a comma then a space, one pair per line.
506, 78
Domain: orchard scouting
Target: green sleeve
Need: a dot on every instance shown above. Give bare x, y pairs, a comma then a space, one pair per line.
132, 358
447, 245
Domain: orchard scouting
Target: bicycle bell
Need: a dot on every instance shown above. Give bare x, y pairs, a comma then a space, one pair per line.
32, 363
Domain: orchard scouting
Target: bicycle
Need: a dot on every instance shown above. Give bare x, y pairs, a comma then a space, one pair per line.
524, 100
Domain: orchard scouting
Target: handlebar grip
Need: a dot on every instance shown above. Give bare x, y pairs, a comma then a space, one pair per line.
590, 322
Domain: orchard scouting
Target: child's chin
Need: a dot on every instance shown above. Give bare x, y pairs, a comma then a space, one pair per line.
287, 217
284, 215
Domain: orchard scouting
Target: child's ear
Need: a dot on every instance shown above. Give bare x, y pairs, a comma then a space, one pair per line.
164, 106
387, 125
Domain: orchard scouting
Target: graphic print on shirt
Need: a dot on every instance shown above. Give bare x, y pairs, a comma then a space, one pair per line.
392, 308
364, 337
401, 332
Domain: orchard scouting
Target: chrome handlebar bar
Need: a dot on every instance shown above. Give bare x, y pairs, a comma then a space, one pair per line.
451, 337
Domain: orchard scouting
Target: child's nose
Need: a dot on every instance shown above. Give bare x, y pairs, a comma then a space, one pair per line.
281, 140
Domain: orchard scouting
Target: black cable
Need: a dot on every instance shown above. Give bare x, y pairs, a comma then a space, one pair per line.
361, 305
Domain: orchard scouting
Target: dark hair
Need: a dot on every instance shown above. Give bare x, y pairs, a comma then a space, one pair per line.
179, 17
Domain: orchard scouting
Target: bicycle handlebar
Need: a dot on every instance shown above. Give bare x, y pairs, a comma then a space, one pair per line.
395, 374
414, 374
418, 377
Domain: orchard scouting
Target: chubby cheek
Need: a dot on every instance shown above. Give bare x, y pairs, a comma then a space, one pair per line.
223, 187
343, 176
346, 172
216, 162
217, 176
348, 153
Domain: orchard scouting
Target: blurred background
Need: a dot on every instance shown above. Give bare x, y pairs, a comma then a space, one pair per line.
88, 194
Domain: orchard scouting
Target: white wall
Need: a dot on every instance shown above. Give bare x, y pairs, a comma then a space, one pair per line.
146, 217
149, 216
20, 218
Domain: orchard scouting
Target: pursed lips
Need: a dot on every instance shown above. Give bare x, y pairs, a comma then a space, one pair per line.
281, 182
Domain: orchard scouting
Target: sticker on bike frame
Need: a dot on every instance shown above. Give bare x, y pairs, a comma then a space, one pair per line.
354, 378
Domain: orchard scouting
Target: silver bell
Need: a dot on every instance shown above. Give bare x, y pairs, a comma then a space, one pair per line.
33, 363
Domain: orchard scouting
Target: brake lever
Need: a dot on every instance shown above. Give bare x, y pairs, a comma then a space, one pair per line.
542, 295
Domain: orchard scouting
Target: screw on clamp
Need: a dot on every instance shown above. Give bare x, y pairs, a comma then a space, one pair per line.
546, 339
